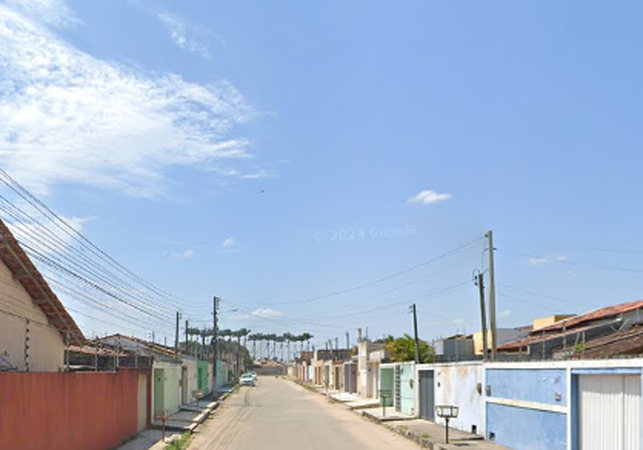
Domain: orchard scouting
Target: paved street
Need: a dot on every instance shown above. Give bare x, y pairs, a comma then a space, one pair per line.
279, 415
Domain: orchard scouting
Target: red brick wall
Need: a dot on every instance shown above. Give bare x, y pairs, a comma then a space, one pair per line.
67, 411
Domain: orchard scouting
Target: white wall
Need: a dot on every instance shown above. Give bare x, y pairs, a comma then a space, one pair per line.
46, 345
457, 384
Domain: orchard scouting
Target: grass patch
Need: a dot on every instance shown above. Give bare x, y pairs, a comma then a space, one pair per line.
179, 444
424, 435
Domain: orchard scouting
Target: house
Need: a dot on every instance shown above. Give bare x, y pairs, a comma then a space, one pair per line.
454, 348
327, 367
455, 383
565, 405
503, 335
397, 386
168, 375
369, 357
35, 328
571, 335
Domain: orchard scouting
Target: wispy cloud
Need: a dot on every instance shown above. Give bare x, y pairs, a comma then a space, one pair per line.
189, 36
504, 314
229, 245
266, 313
428, 196
536, 261
66, 116
183, 254
458, 321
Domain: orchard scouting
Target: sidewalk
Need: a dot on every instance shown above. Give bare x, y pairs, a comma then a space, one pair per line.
354, 401
428, 434
187, 419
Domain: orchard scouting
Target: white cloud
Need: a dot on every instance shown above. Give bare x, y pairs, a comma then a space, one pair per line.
266, 313
504, 314
185, 34
428, 196
229, 242
51, 12
458, 321
66, 116
536, 261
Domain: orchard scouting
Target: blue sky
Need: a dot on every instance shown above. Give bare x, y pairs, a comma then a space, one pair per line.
269, 153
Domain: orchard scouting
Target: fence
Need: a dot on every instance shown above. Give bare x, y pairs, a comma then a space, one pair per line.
72, 411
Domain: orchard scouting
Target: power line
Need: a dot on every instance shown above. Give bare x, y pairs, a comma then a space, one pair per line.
379, 280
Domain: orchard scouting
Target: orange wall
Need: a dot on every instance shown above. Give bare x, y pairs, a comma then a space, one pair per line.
70, 411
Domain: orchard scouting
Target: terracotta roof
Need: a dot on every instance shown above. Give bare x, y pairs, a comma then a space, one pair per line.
598, 314
536, 337
627, 342
15, 258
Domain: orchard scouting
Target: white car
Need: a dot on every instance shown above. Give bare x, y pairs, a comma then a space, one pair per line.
247, 380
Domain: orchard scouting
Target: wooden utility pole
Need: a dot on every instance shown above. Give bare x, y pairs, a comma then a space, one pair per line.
492, 299
483, 316
415, 333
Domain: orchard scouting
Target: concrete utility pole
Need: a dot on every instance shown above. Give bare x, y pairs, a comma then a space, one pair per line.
483, 316
176, 335
415, 332
492, 299
215, 336
187, 347
348, 340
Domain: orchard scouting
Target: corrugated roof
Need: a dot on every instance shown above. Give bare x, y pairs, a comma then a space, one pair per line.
598, 314
15, 258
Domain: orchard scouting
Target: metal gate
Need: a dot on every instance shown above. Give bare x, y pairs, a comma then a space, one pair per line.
398, 393
609, 412
350, 377
427, 394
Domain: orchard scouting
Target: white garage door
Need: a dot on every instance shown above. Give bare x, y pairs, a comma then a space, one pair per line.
609, 412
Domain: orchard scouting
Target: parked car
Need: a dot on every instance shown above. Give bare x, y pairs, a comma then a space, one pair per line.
247, 380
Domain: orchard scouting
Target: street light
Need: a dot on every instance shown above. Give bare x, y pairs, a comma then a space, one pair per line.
447, 412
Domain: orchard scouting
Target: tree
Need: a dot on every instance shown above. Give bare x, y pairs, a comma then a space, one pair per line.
403, 349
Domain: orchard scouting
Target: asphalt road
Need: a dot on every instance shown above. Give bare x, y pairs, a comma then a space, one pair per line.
280, 415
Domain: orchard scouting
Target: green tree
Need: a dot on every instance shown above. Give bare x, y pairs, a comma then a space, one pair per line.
403, 349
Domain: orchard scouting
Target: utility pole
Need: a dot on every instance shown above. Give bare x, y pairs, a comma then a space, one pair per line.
492, 299
215, 308
187, 346
176, 335
415, 332
483, 316
348, 340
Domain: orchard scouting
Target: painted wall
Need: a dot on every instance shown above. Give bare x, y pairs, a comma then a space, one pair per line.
222, 374
526, 406
171, 387
457, 384
522, 428
192, 377
407, 388
71, 411
46, 345
547, 386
